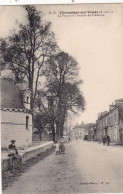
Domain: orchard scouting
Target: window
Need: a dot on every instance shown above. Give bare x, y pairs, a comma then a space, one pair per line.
115, 117
27, 99
27, 122
109, 120
121, 136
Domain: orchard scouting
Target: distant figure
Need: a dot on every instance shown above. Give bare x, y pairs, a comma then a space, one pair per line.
13, 154
62, 147
69, 138
99, 141
108, 140
104, 140
57, 148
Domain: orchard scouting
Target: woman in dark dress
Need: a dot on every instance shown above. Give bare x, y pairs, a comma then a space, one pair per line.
62, 147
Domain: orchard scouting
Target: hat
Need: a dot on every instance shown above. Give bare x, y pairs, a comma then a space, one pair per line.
13, 140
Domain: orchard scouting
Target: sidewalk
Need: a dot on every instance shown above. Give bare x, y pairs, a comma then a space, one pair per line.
30, 152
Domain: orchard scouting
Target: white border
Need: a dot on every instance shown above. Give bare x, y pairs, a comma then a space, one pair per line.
23, 2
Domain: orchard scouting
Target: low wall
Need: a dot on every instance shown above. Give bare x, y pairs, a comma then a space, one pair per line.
33, 152
27, 154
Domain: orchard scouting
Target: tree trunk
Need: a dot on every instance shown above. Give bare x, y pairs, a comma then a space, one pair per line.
53, 131
58, 129
40, 135
61, 129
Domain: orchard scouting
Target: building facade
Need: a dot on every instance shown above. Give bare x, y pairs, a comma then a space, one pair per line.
101, 125
78, 132
92, 135
111, 123
85, 131
115, 122
16, 117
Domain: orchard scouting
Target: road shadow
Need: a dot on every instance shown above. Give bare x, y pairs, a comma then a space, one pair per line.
8, 178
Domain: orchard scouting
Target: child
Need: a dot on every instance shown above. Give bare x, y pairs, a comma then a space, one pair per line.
62, 147
57, 148
14, 155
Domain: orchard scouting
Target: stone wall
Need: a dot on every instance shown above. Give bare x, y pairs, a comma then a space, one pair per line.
27, 154
33, 152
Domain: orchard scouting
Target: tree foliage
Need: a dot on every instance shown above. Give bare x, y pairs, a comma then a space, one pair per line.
32, 52
45, 105
62, 85
28, 50
40, 120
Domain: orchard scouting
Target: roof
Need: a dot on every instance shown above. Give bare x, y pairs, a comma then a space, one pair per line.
88, 125
120, 107
10, 95
85, 126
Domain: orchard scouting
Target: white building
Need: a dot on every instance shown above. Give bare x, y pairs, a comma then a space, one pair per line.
78, 131
16, 117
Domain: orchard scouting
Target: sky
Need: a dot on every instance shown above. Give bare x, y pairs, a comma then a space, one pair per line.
96, 42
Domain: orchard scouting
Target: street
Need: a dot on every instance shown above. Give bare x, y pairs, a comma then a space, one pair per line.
87, 167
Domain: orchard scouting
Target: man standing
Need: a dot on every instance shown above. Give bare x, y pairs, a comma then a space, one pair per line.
69, 137
108, 140
104, 140
13, 154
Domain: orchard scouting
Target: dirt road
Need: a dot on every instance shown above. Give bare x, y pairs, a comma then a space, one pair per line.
87, 167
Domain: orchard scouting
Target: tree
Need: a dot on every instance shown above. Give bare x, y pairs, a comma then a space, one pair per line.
62, 79
28, 50
72, 100
40, 121
46, 108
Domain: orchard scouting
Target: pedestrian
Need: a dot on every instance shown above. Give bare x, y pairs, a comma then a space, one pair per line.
108, 140
62, 147
57, 147
69, 138
14, 155
104, 140
99, 141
